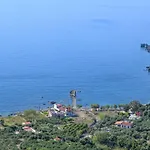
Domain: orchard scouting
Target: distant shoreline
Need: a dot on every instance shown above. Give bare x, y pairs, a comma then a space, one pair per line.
13, 113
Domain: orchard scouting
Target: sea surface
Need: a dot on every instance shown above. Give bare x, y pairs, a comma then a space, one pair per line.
49, 47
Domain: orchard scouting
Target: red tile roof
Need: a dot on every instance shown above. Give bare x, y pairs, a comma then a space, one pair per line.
127, 124
124, 123
62, 108
118, 122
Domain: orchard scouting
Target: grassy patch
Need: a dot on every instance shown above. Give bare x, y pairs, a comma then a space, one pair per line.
107, 113
9, 121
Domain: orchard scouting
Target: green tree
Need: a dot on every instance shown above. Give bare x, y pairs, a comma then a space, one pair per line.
115, 106
135, 105
95, 106
79, 106
30, 115
2, 122
126, 108
101, 138
107, 107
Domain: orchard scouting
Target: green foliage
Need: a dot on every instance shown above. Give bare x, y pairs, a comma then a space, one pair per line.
135, 105
79, 106
115, 106
32, 115
65, 134
136, 138
13, 120
44, 138
2, 122
126, 107
75, 130
94, 105
107, 107
101, 116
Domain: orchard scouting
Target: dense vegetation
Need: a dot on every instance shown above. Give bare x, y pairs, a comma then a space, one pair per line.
66, 134
137, 138
54, 133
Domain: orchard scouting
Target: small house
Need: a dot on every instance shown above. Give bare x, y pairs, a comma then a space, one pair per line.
28, 129
62, 111
124, 124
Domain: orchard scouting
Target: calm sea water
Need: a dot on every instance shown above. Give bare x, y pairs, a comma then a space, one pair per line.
48, 48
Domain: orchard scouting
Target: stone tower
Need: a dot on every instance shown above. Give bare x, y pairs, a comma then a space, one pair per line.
74, 99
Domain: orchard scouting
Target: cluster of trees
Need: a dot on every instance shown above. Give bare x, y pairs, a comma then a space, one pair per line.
54, 133
75, 129
65, 134
134, 105
107, 136
117, 140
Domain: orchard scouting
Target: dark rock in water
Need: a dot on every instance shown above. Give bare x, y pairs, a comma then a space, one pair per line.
148, 47
148, 68
52, 102
144, 45
148, 51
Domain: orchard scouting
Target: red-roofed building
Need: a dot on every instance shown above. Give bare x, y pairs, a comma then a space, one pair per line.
59, 105
60, 110
138, 114
28, 129
124, 124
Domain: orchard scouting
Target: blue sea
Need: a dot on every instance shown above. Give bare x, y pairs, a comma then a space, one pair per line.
50, 47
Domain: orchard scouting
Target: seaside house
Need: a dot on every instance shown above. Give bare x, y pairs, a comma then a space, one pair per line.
123, 124
60, 111
52, 113
135, 116
57, 107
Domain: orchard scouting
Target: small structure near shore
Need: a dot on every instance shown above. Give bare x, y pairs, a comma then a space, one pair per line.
61, 111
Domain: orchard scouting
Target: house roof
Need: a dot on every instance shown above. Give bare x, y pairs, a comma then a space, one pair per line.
62, 108
118, 122
138, 113
26, 127
124, 123
127, 124
26, 123
59, 105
